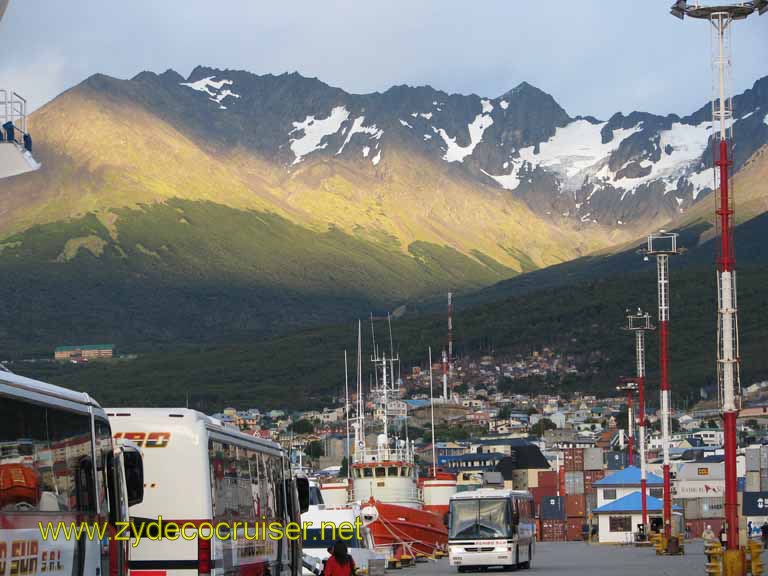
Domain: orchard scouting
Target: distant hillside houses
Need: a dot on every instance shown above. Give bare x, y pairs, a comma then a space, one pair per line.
84, 352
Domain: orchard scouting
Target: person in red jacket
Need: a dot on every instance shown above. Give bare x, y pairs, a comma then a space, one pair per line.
340, 563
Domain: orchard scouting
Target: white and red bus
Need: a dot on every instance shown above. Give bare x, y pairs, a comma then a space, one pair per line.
60, 466
199, 472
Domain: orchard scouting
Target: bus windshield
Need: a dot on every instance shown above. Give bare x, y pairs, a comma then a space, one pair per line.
481, 518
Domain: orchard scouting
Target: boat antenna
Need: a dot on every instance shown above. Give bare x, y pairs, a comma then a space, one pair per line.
360, 401
432, 416
346, 406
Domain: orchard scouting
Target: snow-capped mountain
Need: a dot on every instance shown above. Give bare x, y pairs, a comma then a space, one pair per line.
629, 169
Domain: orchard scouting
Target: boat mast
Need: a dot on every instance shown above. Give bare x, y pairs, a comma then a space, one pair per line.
432, 415
346, 407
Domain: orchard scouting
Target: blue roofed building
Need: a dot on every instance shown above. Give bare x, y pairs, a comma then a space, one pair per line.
624, 482
618, 520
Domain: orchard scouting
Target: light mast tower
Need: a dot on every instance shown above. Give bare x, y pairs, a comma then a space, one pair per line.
629, 388
640, 323
663, 245
720, 19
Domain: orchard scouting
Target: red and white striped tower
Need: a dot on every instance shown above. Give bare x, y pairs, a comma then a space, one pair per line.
639, 323
445, 375
663, 245
450, 338
720, 18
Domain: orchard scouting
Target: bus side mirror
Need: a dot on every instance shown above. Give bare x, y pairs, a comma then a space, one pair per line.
134, 476
302, 488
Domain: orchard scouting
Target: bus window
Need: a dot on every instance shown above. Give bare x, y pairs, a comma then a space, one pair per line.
40, 462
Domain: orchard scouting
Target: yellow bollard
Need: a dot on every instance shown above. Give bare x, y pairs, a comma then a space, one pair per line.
733, 563
755, 550
714, 552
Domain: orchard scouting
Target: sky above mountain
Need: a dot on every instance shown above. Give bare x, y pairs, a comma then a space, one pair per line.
595, 57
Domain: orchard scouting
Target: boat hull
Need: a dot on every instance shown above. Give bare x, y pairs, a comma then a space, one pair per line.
402, 530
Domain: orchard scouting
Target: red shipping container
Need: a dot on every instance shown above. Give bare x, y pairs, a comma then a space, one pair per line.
576, 506
553, 530
548, 479
538, 493
698, 525
574, 529
590, 477
574, 459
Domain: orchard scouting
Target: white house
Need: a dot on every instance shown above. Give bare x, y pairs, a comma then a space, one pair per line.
618, 520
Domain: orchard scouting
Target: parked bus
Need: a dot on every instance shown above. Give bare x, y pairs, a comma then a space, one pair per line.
60, 466
196, 470
490, 527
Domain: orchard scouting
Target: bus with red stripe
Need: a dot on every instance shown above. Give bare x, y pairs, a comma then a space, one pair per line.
201, 473
59, 466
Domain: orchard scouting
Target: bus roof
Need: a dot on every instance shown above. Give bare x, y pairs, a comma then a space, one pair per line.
191, 418
27, 387
490, 493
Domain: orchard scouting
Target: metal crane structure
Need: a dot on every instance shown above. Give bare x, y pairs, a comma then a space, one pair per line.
15, 142
640, 323
662, 245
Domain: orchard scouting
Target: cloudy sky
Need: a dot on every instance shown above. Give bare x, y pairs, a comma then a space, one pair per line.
594, 56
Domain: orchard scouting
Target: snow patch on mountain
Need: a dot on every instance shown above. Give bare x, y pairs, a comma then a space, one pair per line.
456, 153
358, 127
314, 131
487, 106
404, 123
504, 104
506, 181
686, 143
576, 152
765, 120
376, 159
214, 88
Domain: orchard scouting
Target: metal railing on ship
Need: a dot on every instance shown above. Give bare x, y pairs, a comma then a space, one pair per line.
383, 455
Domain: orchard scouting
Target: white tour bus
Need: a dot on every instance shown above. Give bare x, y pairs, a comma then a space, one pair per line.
490, 527
198, 471
59, 464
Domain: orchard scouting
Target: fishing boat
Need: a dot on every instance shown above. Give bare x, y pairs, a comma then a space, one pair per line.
385, 478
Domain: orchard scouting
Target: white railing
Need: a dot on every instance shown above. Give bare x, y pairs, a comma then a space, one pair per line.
384, 455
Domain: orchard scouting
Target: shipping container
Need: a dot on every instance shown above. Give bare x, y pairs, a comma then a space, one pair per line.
755, 504
593, 459
615, 460
752, 457
574, 528
701, 471
547, 479
574, 483
712, 507
574, 459
553, 531
764, 457
752, 481
538, 494
590, 477
552, 508
698, 525
575, 506
763, 481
